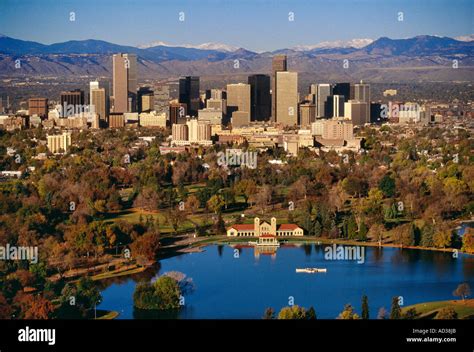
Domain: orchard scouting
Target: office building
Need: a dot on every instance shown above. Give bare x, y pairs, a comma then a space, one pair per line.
116, 120
177, 111
145, 99
238, 99
307, 114
362, 93
279, 64
342, 89
124, 83
356, 111
98, 104
152, 119
72, 102
92, 85
286, 96
38, 106
338, 105
59, 143
324, 104
189, 94
260, 98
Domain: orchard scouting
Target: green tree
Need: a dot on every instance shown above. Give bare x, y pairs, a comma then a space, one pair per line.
311, 314
365, 307
387, 186
163, 294
395, 311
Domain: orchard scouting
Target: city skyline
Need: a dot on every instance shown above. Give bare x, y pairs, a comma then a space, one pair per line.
291, 23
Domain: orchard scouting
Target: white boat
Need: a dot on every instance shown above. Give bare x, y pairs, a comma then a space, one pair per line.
311, 270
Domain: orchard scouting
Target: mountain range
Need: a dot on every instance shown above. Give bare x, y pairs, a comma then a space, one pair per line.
417, 58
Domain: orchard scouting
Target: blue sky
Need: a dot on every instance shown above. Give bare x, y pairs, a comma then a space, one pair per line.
253, 24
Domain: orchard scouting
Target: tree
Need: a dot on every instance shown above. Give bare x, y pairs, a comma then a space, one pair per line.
362, 234
447, 313
348, 313
269, 314
463, 290
411, 313
246, 188
387, 186
365, 307
216, 203
395, 311
220, 226
468, 241
6, 310
163, 294
146, 245
382, 313
294, 312
192, 204
311, 314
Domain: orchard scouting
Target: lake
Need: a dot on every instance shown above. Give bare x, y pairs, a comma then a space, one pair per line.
243, 287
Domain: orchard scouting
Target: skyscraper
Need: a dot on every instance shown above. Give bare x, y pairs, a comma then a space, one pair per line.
338, 105
287, 98
145, 99
362, 93
356, 111
260, 99
324, 106
98, 101
342, 89
72, 102
279, 64
307, 114
92, 85
238, 99
189, 94
37, 106
124, 82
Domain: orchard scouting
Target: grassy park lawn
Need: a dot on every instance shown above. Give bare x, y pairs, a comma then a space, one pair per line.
465, 309
106, 314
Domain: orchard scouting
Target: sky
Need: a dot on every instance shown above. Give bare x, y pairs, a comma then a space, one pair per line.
257, 25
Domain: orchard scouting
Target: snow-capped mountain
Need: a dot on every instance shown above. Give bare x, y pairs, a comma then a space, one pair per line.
204, 46
353, 43
465, 38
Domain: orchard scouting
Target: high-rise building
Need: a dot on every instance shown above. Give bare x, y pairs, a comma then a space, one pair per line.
161, 98
356, 111
260, 98
98, 104
179, 132
362, 93
38, 106
324, 102
92, 85
279, 64
238, 99
177, 111
307, 114
189, 94
145, 99
124, 82
59, 143
338, 105
72, 102
286, 96
342, 89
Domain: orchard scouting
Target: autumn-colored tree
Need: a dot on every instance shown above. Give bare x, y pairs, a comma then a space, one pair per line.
192, 204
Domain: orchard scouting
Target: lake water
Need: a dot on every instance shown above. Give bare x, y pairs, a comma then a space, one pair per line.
243, 287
